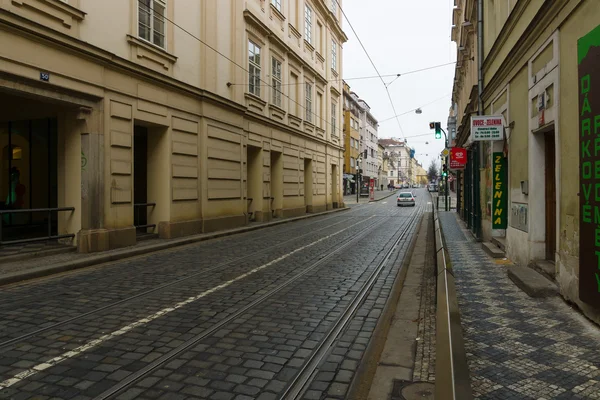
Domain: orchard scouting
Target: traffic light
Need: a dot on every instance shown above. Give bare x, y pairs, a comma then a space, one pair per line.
444, 170
438, 129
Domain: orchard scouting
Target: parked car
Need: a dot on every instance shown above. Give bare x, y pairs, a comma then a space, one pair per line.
432, 187
406, 199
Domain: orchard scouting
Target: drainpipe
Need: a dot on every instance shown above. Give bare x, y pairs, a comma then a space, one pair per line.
480, 111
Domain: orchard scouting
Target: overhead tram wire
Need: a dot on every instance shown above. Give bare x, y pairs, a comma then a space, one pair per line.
415, 109
237, 65
372, 63
396, 76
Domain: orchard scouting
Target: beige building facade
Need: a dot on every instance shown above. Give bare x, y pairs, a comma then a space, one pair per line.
531, 78
168, 117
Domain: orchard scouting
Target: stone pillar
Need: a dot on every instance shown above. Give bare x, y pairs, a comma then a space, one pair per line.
93, 235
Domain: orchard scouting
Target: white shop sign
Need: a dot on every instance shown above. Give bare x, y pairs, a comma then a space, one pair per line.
487, 127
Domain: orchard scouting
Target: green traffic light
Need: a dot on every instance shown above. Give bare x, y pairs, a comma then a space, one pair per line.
438, 135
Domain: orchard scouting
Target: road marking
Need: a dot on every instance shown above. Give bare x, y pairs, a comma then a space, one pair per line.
385, 202
94, 343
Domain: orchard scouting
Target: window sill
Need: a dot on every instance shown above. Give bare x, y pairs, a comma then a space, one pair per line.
151, 52
334, 72
320, 57
295, 31
276, 111
277, 13
254, 101
309, 45
54, 10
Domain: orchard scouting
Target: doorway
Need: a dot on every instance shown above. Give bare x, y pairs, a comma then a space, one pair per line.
276, 183
140, 180
334, 186
254, 183
550, 192
308, 184
29, 178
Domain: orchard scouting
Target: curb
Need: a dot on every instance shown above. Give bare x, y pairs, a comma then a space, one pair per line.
133, 252
385, 197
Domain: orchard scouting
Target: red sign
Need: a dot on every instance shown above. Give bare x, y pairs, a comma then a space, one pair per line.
372, 189
458, 158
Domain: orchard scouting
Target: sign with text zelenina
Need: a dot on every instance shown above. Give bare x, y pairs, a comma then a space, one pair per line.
588, 54
499, 189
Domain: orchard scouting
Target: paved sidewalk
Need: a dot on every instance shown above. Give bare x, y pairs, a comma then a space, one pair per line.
518, 347
379, 195
15, 270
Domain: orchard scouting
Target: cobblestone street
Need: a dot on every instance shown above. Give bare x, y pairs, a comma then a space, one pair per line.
518, 347
287, 310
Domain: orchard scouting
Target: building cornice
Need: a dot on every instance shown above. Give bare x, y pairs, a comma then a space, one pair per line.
524, 47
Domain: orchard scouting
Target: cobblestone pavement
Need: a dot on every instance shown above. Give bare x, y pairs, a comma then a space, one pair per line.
227, 328
518, 347
424, 370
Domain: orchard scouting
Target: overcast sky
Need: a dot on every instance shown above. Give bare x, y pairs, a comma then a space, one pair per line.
402, 36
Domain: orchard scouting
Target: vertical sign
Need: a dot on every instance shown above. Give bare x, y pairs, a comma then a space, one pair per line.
588, 49
499, 212
372, 189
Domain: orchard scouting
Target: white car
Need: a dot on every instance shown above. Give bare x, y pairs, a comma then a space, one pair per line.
406, 199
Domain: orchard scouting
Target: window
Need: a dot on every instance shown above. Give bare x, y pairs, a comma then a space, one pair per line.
351, 143
308, 102
333, 119
151, 21
333, 6
276, 81
253, 68
391, 173
308, 24
277, 4
352, 162
334, 55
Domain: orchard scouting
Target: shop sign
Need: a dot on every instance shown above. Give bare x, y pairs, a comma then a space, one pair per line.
487, 127
499, 212
458, 158
588, 52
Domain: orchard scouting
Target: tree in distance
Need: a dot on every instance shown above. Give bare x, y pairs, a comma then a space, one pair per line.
432, 172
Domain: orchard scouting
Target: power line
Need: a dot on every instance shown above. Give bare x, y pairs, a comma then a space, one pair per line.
238, 65
396, 76
415, 109
372, 63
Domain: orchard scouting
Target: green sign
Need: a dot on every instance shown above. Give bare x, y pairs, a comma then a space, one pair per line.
588, 51
500, 192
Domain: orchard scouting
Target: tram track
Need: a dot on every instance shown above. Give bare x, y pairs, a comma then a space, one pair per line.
303, 379
7, 343
300, 384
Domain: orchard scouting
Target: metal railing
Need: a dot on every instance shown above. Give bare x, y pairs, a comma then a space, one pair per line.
50, 236
452, 379
139, 206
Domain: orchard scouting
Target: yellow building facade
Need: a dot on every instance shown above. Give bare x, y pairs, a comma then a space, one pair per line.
530, 73
351, 131
168, 117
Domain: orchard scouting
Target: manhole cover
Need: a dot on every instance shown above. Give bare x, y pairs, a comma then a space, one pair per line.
404, 390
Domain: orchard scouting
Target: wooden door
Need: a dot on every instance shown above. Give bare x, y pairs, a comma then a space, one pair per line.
550, 185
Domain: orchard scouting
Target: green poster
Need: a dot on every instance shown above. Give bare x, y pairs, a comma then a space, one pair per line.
588, 54
499, 192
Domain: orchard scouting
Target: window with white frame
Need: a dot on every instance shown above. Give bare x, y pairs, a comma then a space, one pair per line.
308, 104
253, 68
308, 24
333, 6
276, 81
334, 119
277, 4
334, 55
351, 143
151, 21
352, 162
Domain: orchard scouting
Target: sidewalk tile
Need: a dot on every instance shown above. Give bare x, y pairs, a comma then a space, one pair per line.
518, 347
